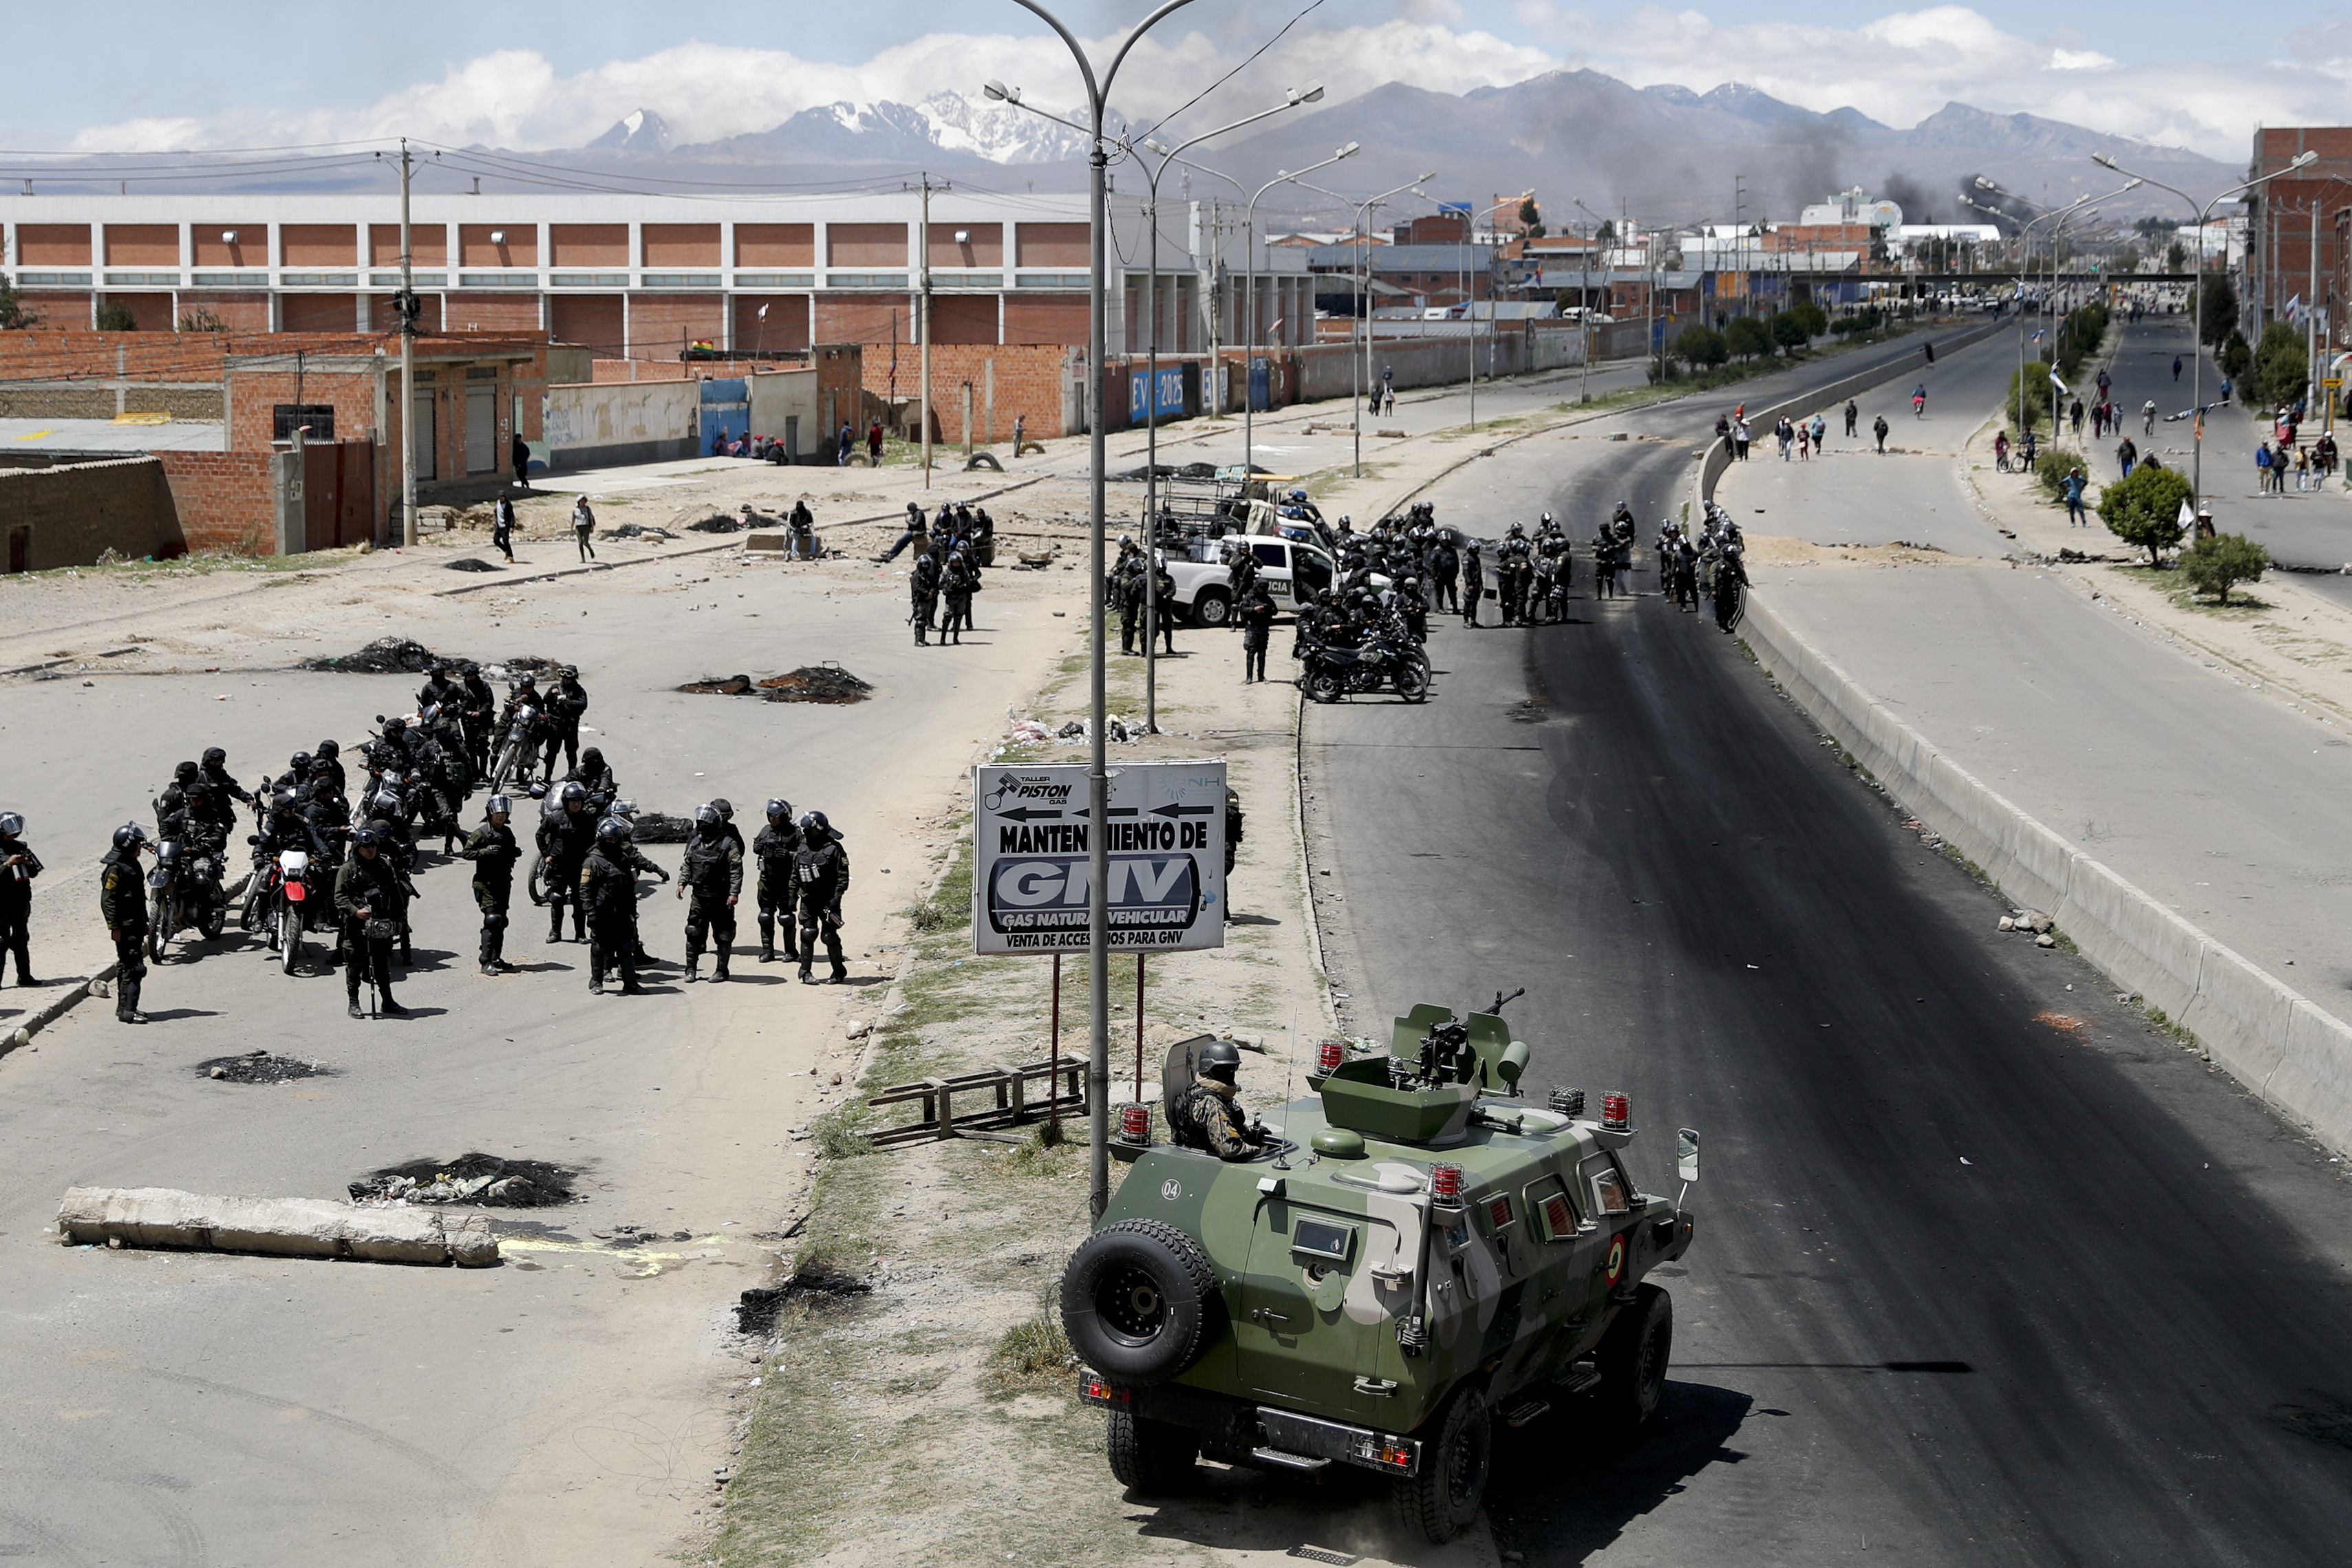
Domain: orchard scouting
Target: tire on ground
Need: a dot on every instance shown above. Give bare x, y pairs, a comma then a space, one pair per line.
1139, 1301
1634, 1356
1153, 1457
1456, 1454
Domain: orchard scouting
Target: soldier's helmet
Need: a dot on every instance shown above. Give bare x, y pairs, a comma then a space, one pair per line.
1220, 1060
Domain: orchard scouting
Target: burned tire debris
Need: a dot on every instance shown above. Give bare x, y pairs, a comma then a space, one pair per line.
385, 656
826, 683
484, 1180
468, 563
260, 1067
756, 1312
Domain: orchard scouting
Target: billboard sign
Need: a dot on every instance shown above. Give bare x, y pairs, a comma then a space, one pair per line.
1032, 872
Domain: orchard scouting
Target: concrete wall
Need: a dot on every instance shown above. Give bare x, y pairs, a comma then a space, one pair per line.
781, 395
605, 423
69, 514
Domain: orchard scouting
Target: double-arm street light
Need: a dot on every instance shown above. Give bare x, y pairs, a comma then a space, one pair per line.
1364, 246
2197, 315
1311, 93
2056, 216
1098, 150
1249, 298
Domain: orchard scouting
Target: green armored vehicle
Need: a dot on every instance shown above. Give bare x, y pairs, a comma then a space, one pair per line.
1407, 1258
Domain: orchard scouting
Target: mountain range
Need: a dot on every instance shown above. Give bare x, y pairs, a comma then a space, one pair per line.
1665, 153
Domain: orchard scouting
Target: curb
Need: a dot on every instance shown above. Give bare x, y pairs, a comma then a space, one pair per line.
2286, 1049
731, 542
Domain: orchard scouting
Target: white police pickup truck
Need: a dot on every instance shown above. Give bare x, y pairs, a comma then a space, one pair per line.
1291, 569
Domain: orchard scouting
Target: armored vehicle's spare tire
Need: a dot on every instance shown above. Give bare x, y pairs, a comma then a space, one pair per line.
1137, 1301
1153, 1457
1439, 1503
1633, 1358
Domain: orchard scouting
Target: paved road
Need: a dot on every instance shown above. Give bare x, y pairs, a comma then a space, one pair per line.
1973, 1283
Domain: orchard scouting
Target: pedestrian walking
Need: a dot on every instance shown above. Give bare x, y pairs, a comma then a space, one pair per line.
2075, 517
873, 443
520, 453
1739, 433
502, 522
2263, 461
2175, 366
584, 523
122, 905
2126, 455
2000, 453
846, 442
19, 866
1804, 442
1878, 428
1020, 432
1852, 414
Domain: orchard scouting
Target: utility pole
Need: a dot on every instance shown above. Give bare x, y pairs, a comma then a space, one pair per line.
405, 308
923, 317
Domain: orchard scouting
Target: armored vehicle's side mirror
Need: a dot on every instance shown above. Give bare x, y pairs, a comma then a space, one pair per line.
1686, 1153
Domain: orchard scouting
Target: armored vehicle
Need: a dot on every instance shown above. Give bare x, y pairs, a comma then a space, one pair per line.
1399, 1261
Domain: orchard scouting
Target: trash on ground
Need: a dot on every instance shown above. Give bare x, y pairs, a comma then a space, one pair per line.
826, 683
475, 1178
385, 656
1029, 730
720, 523
756, 1312
719, 686
468, 563
635, 531
259, 1067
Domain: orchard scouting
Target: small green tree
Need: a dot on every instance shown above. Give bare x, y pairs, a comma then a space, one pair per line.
1531, 218
113, 316
1701, 347
1811, 317
2029, 396
2217, 309
1747, 337
2281, 367
1789, 332
2175, 257
2144, 511
2216, 565
2236, 360
15, 314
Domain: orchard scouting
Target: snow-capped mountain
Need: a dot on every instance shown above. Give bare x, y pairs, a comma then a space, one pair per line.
999, 131
641, 130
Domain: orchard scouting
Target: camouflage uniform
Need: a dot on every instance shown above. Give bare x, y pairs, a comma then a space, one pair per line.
1209, 1117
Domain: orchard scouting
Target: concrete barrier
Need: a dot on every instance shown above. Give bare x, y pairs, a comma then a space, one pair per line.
283, 1226
2274, 1040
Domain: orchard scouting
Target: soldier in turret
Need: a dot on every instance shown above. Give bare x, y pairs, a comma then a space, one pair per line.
1208, 1114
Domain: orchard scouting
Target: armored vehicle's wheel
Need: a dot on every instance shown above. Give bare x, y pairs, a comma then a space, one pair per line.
1325, 687
1136, 1301
1412, 682
1633, 1358
1441, 1501
1150, 1457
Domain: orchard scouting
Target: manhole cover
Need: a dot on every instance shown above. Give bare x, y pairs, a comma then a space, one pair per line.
259, 1067
475, 1178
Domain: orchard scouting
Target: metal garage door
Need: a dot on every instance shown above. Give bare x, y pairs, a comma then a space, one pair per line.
481, 430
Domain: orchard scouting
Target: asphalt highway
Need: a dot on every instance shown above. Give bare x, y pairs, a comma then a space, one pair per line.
1988, 1269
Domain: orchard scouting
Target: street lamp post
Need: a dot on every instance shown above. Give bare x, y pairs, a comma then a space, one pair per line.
1249, 293
1363, 240
1469, 295
1310, 93
1097, 762
2197, 317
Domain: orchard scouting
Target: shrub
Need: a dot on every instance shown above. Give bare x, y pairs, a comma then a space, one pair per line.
2144, 511
113, 316
1701, 346
1747, 337
2217, 309
1031, 1357
2216, 565
2281, 370
2050, 467
2033, 383
1810, 317
1789, 332
2236, 359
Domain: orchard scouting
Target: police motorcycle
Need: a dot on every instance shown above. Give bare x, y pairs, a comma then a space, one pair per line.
519, 745
1385, 657
184, 890
287, 897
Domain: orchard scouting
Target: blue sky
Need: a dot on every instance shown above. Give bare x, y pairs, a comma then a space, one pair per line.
535, 73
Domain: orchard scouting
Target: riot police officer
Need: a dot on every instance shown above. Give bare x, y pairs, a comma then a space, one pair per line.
923, 592
820, 879
478, 708
596, 775
223, 787
711, 878
565, 835
567, 704
1208, 1114
494, 852
371, 896
776, 849
437, 689
608, 888
122, 904
19, 866
325, 763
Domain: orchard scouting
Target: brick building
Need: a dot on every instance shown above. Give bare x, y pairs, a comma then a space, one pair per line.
2299, 230
650, 277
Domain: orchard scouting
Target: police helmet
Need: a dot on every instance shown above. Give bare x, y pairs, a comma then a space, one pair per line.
529, 682
11, 824
778, 808
499, 806
591, 757
574, 790
128, 835
394, 725
331, 750
365, 839
571, 671
432, 714
613, 828
322, 786
724, 807
215, 757
172, 797
1220, 1060
624, 810
283, 801
1298, 495
814, 822
185, 772
706, 816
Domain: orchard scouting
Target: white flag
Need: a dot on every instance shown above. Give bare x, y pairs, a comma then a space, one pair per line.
763, 312
2064, 390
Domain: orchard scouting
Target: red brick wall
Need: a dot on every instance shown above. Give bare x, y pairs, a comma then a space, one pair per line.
593, 319
862, 319
255, 391
1051, 244
787, 325
517, 312
984, 244
53, 244
251, 247
681, 245
318, 244
866, 245
428, 245
61, 311
240, 312
775, 244
1028, 379
476, 249
142, 245
429, 313
1059, 319
223, 499
151, 312
660, 324
963, 319
318, 312
588, 244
